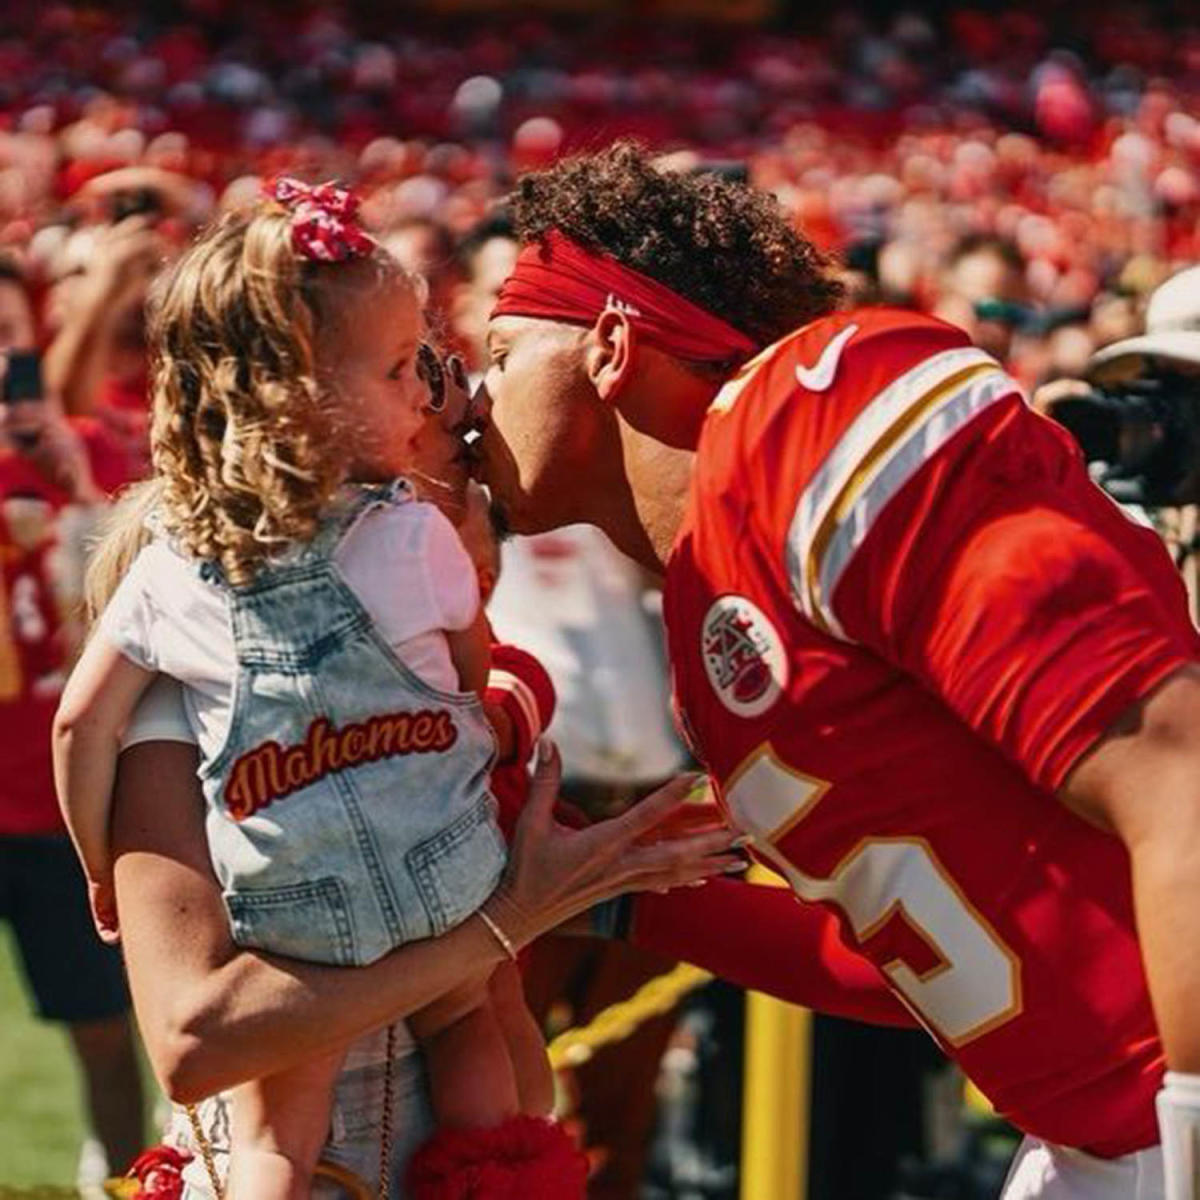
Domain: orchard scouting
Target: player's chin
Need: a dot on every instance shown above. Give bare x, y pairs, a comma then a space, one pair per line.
509, 499
492, 464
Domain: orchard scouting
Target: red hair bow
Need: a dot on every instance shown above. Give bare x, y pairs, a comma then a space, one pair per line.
324, 220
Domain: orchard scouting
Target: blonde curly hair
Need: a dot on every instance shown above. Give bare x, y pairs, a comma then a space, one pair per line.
122, 534
247, 444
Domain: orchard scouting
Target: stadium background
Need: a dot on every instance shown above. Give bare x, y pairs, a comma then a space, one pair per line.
882, 129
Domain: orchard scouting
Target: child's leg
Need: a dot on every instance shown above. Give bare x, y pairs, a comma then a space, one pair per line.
470, 1071
526, 1046
279, 1125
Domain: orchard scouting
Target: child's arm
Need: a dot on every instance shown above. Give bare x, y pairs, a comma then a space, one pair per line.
96, 704
519, 703
470, 651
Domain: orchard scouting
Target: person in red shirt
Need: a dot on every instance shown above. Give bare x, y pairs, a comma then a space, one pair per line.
944, 684
55, 475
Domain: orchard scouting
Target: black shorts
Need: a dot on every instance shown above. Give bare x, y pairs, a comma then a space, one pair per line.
73, 974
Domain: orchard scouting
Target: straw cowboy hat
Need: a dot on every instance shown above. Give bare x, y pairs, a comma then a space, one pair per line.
1172, 334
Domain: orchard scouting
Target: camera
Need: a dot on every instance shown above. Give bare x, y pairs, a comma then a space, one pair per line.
1140, 437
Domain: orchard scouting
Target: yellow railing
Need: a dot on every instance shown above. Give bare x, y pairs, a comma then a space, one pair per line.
775, 1100
776, 1092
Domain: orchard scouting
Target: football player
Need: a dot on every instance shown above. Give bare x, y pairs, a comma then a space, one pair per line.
947, 687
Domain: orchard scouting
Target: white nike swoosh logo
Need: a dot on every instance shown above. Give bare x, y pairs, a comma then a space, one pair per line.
819, 377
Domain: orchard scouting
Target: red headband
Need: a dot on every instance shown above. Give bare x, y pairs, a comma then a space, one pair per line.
558, 280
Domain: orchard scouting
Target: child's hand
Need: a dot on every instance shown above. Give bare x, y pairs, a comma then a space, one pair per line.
102, 898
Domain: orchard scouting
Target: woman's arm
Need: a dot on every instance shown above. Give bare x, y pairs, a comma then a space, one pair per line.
213, 1015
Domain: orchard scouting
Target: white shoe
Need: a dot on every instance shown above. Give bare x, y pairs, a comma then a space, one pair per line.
92, 1170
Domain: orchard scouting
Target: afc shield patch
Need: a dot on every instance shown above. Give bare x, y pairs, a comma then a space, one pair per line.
743, 656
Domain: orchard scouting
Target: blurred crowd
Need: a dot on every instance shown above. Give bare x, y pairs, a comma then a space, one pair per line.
1022, 172
1031, 174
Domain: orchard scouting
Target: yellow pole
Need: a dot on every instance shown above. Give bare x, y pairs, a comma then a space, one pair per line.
776, 1094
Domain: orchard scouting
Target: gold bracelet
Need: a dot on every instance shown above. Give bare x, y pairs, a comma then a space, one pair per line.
498, 934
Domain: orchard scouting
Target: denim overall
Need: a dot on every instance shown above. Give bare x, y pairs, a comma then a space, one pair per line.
348, 810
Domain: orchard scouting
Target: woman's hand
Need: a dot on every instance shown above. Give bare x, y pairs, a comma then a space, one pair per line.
555, 872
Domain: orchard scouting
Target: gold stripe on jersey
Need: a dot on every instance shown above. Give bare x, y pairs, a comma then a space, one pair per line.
884, 447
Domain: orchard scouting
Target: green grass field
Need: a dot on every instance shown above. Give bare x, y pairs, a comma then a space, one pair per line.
41, 1107
41, 1110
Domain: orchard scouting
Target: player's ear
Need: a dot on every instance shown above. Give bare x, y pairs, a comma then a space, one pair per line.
608, 355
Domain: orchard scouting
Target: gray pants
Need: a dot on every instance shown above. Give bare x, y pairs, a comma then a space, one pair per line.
353, 1131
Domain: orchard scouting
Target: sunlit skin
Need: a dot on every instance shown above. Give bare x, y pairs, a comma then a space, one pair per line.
978, 277
587, 424
375, 378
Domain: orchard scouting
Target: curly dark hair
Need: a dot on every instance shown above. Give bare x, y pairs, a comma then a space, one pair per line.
720, 244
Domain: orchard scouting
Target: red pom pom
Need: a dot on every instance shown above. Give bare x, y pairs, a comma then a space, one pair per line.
160, 1172
525, 1158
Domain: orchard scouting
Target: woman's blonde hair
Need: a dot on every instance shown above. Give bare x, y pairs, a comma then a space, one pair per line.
247, 447
122, 534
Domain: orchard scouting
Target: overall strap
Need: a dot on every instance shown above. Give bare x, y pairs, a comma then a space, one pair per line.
352, 505
298, 610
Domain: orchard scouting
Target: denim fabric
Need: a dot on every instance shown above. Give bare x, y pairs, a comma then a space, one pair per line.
354, 1137
348, 811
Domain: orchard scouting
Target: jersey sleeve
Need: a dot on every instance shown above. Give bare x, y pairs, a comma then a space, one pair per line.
129, 622
979, 558
765, 939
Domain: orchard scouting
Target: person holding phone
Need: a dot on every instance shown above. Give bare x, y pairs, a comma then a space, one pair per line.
55, 475
96, 361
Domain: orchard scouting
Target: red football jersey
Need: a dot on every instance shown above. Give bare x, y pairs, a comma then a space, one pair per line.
899, 612
33, 656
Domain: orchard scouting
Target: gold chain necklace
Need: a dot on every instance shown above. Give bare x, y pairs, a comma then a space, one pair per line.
351, 1182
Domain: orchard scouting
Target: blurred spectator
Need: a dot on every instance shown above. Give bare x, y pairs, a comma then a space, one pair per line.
425, 247
54, 474
97, 360
983, 290
1171, 337
18, 328
580, 606
569, 979
485, 258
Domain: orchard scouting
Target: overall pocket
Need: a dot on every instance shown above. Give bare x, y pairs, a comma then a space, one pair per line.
456, 869
309, 921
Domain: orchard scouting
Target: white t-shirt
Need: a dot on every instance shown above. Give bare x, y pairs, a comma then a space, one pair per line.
573, 600
404, 562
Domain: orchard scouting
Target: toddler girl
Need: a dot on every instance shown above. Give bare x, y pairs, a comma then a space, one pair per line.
327, 629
